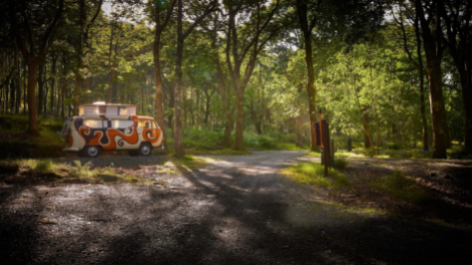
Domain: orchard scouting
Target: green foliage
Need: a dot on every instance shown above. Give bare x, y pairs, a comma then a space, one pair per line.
460, 152
203, 139
340, 163
313, 174
44, 165
259, 141
400, 186
82, 171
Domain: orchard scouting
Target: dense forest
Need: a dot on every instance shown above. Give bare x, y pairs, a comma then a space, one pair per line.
384, 73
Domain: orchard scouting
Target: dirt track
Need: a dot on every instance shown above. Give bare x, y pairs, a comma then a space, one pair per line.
237, 211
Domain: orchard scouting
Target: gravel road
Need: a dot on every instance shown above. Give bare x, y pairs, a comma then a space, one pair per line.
235, 211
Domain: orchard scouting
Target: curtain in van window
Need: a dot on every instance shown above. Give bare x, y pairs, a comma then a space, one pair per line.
121, 124
93, 123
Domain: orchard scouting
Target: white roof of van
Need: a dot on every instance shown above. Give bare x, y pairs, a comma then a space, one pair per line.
111, 117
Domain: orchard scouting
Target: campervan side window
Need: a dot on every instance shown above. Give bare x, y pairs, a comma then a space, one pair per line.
94, 123
122, 124
144, 124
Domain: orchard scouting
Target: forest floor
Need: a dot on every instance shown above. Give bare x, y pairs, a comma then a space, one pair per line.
237, 210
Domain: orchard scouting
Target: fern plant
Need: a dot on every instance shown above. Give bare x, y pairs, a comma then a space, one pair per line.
82, 170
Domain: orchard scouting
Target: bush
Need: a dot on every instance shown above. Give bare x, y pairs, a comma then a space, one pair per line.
460, 152
340, 163
203, 139
398, 181
400, 186
368, 152
394, 146
44, 165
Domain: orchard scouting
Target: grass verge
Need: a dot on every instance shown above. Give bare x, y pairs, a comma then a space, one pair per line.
399, 186
313, 174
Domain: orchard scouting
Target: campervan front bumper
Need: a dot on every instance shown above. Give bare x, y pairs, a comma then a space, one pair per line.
71, 149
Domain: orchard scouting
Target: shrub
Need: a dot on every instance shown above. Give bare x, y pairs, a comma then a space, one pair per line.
340, 163
398, 181
82, 170
460, 152
394, 146
400, 186
44, 165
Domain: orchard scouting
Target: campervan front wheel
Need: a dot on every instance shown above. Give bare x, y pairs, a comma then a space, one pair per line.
92, 151
145, 149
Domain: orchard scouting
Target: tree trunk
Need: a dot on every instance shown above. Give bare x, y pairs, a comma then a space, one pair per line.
53, 85
40, 88
18, 91
25, 88
158, 83
434, 54
207, 107
61, 96
239, 140
367, 136
178, 134
12, 95
466, 88
424, 122
298, 119
225, 97
438, 111
33, 110
310, 86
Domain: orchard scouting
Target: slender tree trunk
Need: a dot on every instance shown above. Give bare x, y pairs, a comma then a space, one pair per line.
298, 119
367, 135
310, 86
25, 87
225, 97
18, 90
12, 95
434, 54
465, 74
207, 107
46, 92
53, 86
111, 63
40, 88
365, 118
60, 102
424, 122
178, 134
438, 112
239, 140
33, 110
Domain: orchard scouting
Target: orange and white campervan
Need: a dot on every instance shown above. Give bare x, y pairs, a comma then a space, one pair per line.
109, 127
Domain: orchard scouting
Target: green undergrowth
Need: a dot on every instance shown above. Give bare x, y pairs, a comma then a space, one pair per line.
340, 163
189, 162
226, 151
459, 152
15, 143
313, 153
198, 141
399, 186
75, 172
313, 174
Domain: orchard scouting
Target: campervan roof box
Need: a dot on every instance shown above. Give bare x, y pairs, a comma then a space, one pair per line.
110, 109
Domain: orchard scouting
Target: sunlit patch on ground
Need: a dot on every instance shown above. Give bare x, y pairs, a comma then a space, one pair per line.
234, 210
